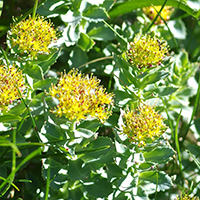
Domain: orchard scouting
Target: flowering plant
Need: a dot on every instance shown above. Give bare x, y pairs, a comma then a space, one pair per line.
99, 100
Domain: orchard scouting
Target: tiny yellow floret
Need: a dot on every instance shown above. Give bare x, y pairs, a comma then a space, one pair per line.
147, 51
143, 125
11, 82
165, 13
33, 36
81, 96
187, 197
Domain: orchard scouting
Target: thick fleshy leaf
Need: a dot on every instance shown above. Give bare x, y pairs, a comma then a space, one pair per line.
76, 170
129, 6
33, 70
159, 155
98, 186
48, 63
152, 78
85, 42
95, 14
44, 84
150, 180
101, 33
10, 118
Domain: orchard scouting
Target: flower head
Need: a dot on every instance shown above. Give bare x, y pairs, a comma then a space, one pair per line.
11, 82
33, 36
151, 13
81, 96
143, 125
186, 197
147, 51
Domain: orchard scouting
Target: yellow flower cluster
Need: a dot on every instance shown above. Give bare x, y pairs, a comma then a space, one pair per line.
81, 96
165, 13
146, 51
143, 125
186, 197
33, 36
11, 79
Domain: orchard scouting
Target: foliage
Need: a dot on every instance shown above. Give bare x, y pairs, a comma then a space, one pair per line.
61, 136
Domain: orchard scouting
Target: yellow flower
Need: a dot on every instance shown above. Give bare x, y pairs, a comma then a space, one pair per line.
143, 125
33, 36
186, 197
147, 51
151, 13
11, 79
81, 96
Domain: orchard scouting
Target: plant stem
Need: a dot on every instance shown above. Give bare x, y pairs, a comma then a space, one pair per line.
156, 16
34, 9
178, 148
48, 180
95, 60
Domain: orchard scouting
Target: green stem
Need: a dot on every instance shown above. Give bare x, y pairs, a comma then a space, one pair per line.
174, 40
48, 180
178, 148
95, 60
27, 158
152, 23
34, 9
73, 125
31, 116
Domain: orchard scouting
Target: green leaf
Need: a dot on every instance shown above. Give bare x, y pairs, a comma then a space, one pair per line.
159, 155
44, 84
98, 186
126, 75
1, 6
98, 147
150, 180
129, 6
76, 170
194, 158
141, 194
95, 14
48, 63
101, 33
79, 57
85, 42
152, 78
197, 124
33, 70
46, 57
83, 132
9, 118
178, 29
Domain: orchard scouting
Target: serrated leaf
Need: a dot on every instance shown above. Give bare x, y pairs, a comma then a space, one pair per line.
33, 70
85, 42
141, 194
95, 14
48, 63
98, 187
129, 6
76, 170
101, 33
10, 118
152, 78
150, 180
159, 155
44, 84
194, 158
